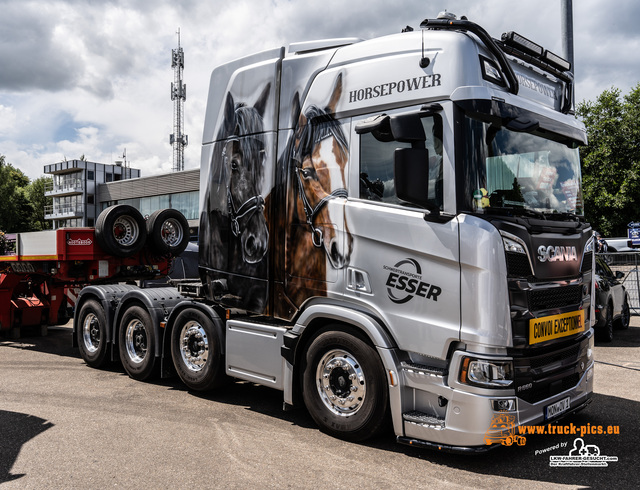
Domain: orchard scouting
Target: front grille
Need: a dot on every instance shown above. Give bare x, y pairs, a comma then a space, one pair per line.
542, 361
547, 390
587, 262
553, 371
547, 299
518, 265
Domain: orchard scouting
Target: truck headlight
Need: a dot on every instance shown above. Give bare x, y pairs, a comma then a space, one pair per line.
486, 373
513, 246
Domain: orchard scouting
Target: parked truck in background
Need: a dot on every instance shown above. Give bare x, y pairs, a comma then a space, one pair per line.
391, 230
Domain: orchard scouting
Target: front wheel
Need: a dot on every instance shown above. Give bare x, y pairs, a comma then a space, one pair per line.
344, 386
196, 349
137, 343
91, 334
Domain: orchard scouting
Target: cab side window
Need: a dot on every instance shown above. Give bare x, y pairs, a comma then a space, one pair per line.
376, 164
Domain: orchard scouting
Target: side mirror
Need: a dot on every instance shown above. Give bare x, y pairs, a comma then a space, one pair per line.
619, 275
406, 128
411, 177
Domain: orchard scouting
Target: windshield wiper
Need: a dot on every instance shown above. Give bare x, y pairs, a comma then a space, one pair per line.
563, 216
528, 212
514, 211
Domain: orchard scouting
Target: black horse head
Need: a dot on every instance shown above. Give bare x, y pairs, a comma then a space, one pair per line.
237, 175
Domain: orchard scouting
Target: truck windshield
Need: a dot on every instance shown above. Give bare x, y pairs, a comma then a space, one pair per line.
523, 173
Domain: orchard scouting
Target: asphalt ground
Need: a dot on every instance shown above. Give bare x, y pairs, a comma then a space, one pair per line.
66, 425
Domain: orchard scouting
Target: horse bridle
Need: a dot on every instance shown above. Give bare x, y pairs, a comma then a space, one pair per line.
247, 209
317, 236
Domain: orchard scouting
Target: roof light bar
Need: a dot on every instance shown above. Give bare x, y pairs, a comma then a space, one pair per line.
515, 40
556, 61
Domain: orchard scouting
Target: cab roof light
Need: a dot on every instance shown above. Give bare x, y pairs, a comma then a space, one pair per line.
517, 41
556, 61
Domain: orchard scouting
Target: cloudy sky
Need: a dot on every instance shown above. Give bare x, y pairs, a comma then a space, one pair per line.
92, 77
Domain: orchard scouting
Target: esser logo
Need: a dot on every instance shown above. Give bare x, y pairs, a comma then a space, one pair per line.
556, 254
405, 282
79, 241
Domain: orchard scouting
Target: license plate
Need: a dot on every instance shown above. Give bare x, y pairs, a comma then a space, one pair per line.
555, 326
557, 408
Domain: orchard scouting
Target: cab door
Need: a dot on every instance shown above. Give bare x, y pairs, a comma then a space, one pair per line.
405, 259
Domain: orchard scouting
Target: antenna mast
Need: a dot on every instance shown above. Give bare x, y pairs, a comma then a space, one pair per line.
178, 95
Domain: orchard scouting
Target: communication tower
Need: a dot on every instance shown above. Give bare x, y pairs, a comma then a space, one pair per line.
178, 140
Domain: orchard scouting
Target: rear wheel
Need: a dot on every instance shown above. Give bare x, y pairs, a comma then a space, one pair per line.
606, 334
196, 349
137, 343
91, 334
625, 316
344, 386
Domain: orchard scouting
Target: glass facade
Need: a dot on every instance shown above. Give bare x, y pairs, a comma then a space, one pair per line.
71, 181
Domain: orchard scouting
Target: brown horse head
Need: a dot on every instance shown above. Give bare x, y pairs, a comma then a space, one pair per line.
320, 157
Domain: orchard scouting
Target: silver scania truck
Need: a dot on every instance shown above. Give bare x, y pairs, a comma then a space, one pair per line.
391, 230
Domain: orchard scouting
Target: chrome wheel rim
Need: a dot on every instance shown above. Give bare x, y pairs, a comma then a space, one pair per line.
91, 333
125, 231
341, 382
171, 232
136, 341
194, 346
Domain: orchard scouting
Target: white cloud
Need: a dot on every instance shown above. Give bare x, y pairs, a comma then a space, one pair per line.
92, 77
7, 121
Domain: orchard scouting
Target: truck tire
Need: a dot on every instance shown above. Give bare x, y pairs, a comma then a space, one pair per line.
168, 232
137, 343
121, 230
92, 334
344, 386
196, 349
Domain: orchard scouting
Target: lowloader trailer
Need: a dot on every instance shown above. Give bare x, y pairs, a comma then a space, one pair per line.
41, 279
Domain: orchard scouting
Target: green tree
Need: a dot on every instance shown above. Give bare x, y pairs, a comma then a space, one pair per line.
611, 160
35, 194
15, 208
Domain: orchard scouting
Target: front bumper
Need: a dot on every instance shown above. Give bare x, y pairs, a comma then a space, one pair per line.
440, 412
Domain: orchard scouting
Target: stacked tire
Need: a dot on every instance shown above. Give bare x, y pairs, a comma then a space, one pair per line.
122, 231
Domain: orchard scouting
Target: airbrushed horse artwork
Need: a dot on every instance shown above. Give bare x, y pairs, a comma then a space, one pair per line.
234, 225
318, 237
234, 230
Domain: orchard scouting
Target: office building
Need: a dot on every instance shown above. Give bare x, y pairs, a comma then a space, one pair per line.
75, 187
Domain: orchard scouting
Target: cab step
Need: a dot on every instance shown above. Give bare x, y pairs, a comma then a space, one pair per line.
412, 367
424, 419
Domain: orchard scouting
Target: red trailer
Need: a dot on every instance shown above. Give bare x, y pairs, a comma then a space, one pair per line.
40, 280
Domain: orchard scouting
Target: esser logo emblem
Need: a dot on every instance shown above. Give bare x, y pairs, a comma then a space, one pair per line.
405, 282
556, 254
79, 241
